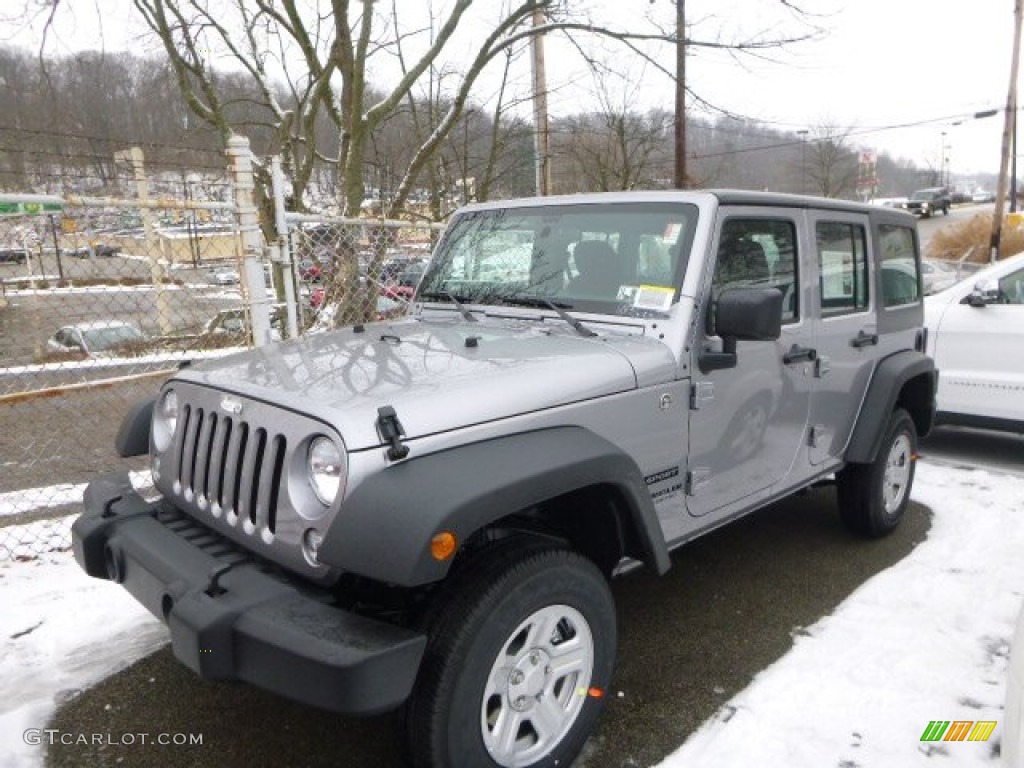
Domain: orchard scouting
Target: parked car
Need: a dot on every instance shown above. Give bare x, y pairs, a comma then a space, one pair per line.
387, 306
976, 335
95, 337
224, 276
428, 514
232, 322
310, 271
413, 272
983, 196
927, 202
96, 249
937, 275
13, 255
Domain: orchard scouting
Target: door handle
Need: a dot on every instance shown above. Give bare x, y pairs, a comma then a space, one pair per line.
798, 354
864, 339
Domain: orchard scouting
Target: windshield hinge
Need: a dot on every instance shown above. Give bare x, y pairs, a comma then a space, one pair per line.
701, 392
392, 432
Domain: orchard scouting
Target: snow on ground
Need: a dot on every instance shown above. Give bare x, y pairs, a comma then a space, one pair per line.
62, 632
16, 502
97, 362
925, 640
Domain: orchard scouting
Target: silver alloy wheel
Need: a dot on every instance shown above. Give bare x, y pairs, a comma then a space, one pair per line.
537, 686
897, 473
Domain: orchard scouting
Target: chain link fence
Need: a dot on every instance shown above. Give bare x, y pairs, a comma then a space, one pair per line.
102, 298
353, 270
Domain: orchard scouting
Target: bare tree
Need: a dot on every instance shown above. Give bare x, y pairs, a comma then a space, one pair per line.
831, 162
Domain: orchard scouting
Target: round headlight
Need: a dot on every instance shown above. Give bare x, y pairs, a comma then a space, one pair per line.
165, 420
326, 469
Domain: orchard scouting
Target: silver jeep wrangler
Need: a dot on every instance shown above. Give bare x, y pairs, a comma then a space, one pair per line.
426, 512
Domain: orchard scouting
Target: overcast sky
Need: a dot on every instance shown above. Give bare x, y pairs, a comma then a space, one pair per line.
877, 63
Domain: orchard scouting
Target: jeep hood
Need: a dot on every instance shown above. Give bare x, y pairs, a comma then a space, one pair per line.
435, 375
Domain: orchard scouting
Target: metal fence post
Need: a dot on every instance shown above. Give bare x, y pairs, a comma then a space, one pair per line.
284, 251
243, 184
156, 269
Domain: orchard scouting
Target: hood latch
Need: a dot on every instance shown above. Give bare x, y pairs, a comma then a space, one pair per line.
392, 432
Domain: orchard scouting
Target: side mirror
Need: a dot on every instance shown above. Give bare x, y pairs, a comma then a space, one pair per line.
742, 314
985, 292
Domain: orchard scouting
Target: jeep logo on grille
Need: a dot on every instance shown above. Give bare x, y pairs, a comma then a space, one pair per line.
231, 405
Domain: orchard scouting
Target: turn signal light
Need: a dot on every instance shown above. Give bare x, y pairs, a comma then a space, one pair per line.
443, 545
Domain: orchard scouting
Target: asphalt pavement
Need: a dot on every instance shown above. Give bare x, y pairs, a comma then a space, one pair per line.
731, 605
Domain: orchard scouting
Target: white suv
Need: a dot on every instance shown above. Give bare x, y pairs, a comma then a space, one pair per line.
976, 335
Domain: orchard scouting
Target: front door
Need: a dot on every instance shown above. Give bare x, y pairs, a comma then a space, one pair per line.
747, 423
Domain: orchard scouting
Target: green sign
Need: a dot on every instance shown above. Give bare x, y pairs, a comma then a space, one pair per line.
11, 209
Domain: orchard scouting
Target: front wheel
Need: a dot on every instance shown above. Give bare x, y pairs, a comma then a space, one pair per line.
873, 497
517, 664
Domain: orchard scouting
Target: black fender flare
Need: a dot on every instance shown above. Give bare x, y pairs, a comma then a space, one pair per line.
133, 434
888, 381
384, 528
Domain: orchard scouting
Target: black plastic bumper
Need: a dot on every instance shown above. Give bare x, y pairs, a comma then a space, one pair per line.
232, 618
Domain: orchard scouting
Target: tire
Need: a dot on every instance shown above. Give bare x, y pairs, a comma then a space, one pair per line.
873, 497
489, 692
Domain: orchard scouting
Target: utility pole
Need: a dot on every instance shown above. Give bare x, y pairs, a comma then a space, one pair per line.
679, 180
1008, 122
541, 143
802, 133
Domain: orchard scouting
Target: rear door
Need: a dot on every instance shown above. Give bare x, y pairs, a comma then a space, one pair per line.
845, 329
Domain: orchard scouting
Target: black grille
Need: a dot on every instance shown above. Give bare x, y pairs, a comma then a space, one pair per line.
230, 465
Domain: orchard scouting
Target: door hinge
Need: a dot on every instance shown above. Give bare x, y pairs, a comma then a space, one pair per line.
697, 479
822, 365
700, 393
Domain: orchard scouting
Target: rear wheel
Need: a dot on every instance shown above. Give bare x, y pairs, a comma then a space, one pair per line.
518, 659
873, 497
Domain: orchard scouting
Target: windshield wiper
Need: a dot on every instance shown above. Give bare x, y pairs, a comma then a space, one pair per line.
559, 309
463, 310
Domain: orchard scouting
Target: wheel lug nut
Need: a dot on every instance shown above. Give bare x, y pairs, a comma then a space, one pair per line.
521, 702
535, 658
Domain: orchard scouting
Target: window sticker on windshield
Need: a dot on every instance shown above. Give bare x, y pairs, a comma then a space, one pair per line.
654, 297
672, 230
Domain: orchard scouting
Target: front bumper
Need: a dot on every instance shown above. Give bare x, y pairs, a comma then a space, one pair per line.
233, 617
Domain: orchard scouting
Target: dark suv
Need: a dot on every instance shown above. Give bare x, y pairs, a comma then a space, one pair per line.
927, 202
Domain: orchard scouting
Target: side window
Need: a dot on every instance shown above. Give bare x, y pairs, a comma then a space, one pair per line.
759, 252
1011, 288
843, 267
901, 283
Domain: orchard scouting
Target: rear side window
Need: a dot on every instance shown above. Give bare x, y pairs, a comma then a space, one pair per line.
759, 252
843, 267
901, 281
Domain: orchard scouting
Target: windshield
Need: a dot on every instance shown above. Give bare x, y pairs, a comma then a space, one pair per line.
610, 258
98, 339
924, 194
